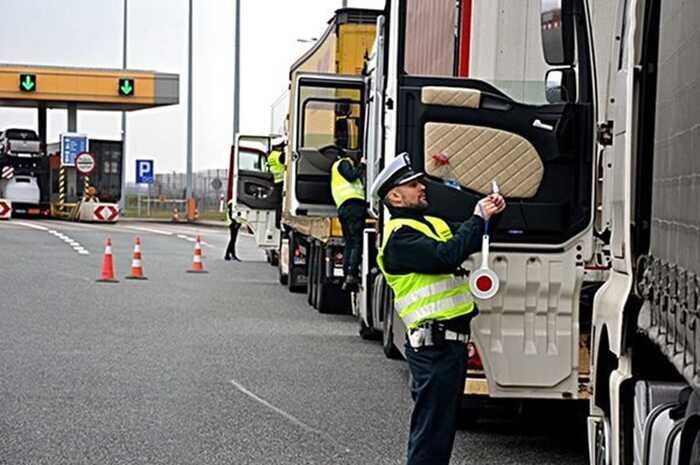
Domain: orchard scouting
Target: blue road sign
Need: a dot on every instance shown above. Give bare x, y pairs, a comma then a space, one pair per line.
144, 172
72, 145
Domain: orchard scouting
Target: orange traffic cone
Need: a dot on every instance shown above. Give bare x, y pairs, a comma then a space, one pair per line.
136, 267
197, 266
107, 265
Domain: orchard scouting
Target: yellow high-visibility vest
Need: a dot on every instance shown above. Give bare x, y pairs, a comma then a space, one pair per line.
276, 166
420, 297
342, 189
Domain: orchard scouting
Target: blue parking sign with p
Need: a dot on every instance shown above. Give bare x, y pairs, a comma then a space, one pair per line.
144, 172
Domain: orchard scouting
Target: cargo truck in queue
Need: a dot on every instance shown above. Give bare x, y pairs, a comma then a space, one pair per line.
500, 105
25, 169
323, 119
251, 187
645, 406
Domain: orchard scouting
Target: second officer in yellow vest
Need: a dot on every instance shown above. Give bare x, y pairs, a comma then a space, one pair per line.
275, 163
419, 257
349, 196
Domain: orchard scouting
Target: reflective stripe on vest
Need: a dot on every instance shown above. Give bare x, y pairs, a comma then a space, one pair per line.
418, 296
276, 167
341, 188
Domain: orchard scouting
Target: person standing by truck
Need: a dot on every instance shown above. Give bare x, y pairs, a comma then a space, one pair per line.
349, 197
234, 224
419, 257
275, 163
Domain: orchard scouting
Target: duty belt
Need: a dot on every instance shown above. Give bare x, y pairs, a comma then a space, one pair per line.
432, 334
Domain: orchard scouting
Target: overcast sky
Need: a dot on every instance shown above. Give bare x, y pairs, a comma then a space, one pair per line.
89, 33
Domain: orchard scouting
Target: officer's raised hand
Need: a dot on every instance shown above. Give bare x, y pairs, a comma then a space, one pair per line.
489, 206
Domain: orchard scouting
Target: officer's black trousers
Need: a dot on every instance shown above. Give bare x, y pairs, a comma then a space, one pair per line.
352, 214
437, 389
233, 235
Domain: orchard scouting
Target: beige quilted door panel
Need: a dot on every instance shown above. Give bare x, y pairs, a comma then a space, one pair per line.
476, 155
451, 97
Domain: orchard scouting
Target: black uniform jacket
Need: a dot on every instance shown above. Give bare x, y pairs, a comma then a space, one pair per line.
351, 172
409, 251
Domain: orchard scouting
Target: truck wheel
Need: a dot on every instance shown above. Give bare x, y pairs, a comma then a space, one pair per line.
282, 277
294, 270
316, 277
274, 260
468, 412
390, 349
367, 332
602, 441
326, 298
311, 270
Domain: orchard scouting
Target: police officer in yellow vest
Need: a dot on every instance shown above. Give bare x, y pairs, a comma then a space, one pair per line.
275, 163
233, 220
349, 197
419, 257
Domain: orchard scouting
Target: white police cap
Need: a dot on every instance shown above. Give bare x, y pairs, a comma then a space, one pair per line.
398, 172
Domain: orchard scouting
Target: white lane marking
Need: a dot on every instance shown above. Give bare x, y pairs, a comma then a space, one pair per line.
182, 236
288, 416
74, 244
29, 225
155, 231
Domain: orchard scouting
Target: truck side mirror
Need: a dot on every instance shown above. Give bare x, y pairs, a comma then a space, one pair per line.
557, 21
560, 85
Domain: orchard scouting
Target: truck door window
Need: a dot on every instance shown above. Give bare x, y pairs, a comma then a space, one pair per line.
331, 116
249, 160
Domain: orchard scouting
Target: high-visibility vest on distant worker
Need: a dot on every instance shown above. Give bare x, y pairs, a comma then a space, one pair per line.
342, 189
230, 216
420, 297
276, 166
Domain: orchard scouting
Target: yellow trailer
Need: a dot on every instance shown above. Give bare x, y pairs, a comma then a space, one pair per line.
311, 250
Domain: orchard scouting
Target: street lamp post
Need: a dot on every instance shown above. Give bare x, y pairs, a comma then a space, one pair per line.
188, 181
237, 72
122, 198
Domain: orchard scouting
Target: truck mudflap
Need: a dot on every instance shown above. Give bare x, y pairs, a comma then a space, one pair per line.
98, 212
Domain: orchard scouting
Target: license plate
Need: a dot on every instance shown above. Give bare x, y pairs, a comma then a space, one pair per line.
338, 272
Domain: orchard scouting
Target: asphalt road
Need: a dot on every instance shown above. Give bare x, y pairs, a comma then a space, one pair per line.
220, 368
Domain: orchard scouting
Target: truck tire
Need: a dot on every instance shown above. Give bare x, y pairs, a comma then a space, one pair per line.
331, 298
316, 277
387, 302
294, 271
368, 333
282, 277
274, 258
311, 271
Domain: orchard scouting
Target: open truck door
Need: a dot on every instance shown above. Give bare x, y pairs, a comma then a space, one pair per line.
535, 137
253, 189
327, 119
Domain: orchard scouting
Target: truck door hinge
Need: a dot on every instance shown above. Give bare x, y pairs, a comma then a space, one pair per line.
605, 133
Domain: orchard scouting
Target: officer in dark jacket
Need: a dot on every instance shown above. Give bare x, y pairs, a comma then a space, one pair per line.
419, 257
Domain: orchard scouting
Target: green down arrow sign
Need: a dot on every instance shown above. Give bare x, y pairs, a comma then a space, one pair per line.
126, 87
27, 82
